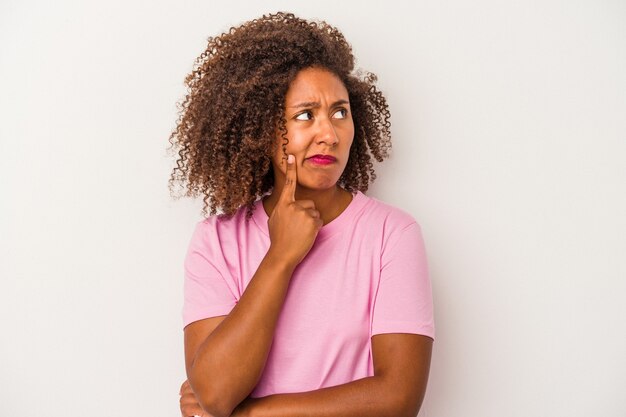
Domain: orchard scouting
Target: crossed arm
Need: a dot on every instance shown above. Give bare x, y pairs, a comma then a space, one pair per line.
223, 367
401, 367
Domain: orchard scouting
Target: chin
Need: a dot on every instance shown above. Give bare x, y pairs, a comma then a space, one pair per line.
321, 187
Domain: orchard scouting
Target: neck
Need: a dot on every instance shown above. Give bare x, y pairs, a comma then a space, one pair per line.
330, 203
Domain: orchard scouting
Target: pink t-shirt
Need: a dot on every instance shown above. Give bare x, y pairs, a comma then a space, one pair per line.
366, 274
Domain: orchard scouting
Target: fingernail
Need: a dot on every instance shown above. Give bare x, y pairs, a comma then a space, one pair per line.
290, 159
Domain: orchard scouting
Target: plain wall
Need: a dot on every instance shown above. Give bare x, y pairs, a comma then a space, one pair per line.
509, 146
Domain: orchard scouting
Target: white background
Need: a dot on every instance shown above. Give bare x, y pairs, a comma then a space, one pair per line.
509, 130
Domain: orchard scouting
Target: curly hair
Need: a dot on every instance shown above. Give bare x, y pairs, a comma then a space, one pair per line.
234, 108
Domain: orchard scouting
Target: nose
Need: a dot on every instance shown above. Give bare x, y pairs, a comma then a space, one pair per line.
326, 133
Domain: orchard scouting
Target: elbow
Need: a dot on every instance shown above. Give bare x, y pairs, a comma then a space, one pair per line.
409, 406
209, 399
405, 404
410, 412
403, 410
214, 408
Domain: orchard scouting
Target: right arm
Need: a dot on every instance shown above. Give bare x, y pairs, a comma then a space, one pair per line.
223, 367
225, 356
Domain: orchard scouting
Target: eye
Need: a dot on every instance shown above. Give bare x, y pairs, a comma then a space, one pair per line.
343, 113
302, 115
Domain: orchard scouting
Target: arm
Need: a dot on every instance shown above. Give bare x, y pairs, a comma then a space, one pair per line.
401, 367
403, 329
223, 365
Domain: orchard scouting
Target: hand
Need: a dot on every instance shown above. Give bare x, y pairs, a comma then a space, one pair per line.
189, 405
293, 225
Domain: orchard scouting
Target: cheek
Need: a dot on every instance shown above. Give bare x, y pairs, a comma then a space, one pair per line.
348, 138
349, 131
288, 145
297, 145
293, 146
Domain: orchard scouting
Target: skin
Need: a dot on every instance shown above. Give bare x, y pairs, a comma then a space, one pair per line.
324, 126
397, 389
305, 197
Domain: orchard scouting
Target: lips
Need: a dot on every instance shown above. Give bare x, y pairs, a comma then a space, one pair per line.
320, 157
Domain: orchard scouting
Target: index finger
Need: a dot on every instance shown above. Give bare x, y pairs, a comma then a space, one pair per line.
291, 179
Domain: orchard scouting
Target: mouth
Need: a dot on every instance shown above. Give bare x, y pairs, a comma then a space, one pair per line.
322, 159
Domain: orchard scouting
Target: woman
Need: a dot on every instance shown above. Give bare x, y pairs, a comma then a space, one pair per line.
305, 296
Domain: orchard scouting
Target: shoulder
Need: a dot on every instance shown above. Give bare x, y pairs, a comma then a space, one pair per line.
393, 227
392, 218
222, 221
218, 227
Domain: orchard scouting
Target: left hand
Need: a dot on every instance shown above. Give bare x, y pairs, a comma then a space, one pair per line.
189, 405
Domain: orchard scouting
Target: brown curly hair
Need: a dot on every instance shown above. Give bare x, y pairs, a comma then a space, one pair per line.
234, 108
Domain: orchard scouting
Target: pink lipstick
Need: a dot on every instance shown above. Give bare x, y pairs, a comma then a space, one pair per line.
322, 159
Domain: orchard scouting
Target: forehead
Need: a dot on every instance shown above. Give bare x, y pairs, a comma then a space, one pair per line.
314, 84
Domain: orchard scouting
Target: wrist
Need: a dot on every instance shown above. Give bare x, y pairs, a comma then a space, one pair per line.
279, 260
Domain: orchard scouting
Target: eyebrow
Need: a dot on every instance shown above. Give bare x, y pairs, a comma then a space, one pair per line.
315, 104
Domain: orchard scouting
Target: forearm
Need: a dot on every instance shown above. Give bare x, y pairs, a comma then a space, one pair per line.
229, 363
364, 397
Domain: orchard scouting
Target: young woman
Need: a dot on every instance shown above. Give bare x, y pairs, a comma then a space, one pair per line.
305, 296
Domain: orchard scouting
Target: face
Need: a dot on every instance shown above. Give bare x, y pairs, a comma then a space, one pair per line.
319, 122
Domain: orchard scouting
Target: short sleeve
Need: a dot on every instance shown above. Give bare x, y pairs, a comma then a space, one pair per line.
206, 293
403, 302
